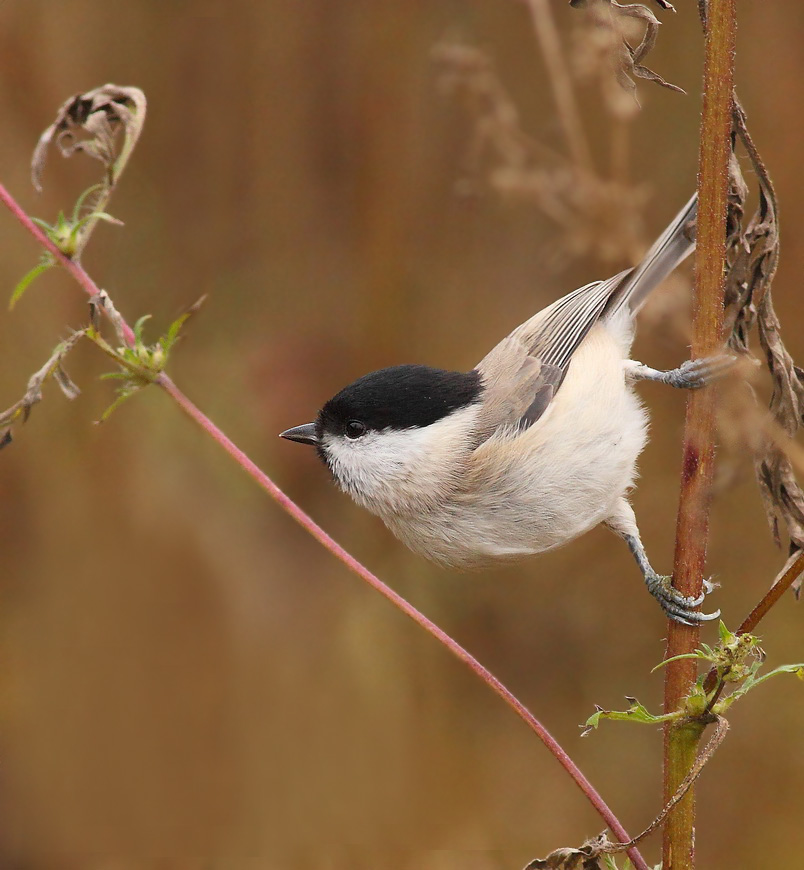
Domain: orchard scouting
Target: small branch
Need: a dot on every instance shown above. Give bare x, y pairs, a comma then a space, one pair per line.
769, 599
74, 268
52, 369
291, 508
698, 453
722, 727
772, 596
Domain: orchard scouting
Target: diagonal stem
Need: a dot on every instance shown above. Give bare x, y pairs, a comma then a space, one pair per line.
768, 600
290, 507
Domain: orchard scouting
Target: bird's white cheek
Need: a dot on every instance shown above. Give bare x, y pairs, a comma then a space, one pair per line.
366, 468
402, 471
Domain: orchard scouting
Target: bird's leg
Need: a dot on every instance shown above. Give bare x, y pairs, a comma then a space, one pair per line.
677, 606
691, 375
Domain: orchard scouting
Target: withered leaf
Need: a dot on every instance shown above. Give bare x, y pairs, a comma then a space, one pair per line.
20, 411
104, 302
585, 858
643, 72
67, 384
90, 123
752, 256
628, 63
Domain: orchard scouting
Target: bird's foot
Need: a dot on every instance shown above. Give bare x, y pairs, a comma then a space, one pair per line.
678, 607
697, 373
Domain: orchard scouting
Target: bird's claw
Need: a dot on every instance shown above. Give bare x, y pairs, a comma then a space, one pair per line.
678, 607
697, 373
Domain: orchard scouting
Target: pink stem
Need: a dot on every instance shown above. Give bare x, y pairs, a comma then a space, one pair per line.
290, 507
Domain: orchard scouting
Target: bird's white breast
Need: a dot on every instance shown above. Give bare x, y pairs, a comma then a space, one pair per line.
554, 481
518, 493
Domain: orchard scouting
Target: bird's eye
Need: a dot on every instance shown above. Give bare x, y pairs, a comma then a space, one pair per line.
354, 429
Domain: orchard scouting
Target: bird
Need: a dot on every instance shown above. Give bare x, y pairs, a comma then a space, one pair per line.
530, 449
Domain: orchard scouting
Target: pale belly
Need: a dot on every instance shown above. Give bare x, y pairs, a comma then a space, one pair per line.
520, 514
548, 485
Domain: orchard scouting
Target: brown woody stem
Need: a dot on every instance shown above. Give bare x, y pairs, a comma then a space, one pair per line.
681, 739
768, 600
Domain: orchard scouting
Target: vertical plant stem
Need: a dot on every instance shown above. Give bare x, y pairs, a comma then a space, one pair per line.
698, 453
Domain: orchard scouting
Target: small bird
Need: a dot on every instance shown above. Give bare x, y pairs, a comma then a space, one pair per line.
530, 449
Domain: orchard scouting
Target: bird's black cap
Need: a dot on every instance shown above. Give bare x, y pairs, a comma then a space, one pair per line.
401, 397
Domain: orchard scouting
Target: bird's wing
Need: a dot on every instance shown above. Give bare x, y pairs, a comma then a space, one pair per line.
525, 370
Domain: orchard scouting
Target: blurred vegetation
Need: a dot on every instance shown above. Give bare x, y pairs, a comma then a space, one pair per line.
186, 674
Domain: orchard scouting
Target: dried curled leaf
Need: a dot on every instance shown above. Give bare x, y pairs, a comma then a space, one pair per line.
587, 857
90, 123
103, 302
752, 256
53, 368
606, 17
632, 57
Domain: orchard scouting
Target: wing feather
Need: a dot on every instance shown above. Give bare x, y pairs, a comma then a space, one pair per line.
525, 370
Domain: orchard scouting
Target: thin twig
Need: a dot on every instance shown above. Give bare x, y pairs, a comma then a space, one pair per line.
290, 507
768, 600
772, 596
719, 735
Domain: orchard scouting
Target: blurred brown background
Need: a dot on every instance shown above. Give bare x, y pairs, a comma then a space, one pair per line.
186, 674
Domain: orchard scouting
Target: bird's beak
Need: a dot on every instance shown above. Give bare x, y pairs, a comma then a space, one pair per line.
303, 434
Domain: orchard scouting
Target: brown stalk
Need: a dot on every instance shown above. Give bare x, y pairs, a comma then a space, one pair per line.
791, 572
681, 739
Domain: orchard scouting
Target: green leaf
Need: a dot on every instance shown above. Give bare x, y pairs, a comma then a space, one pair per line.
26, 282
43, 225
79, 203
610, 863
171, 336
138, 327
723, 632
635, 713
692, 655
752, 681
95, 216
105, 216
124, 394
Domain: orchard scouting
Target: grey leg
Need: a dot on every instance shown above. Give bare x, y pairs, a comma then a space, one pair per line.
691, 375
673, 603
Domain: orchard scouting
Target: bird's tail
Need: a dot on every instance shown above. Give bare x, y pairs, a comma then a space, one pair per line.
674, 245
